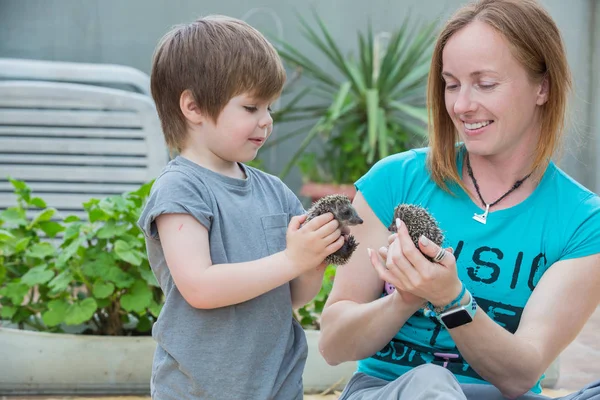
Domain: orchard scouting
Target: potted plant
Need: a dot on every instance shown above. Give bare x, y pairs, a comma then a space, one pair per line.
372, 107
90, 278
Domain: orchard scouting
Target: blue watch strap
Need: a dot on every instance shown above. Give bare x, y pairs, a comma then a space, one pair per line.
470, 307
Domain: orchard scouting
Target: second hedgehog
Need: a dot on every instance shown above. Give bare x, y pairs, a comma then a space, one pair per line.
343, 211
418, 222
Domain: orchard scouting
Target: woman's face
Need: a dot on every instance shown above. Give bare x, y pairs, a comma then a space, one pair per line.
488, 93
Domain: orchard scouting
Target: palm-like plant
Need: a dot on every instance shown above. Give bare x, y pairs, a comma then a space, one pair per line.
375, 108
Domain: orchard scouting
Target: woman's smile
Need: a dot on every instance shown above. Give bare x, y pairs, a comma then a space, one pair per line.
476, 128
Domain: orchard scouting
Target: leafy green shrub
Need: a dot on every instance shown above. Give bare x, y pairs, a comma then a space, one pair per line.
309, 316
97, 274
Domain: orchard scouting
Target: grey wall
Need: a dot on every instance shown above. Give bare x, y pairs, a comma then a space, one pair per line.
576, 22
125, 32
594, 109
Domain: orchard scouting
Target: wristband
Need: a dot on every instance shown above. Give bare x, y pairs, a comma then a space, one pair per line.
432, 311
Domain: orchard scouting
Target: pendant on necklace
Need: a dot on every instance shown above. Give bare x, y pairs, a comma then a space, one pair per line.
482, 218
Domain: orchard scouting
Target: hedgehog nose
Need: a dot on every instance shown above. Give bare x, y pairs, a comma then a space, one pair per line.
359, 220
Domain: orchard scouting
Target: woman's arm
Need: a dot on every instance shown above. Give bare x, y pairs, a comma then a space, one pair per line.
563, 300
356, 322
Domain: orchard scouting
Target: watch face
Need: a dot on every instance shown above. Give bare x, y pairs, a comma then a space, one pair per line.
454, 318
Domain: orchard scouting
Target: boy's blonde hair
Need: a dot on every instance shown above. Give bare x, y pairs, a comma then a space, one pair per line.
536, 43
216, 58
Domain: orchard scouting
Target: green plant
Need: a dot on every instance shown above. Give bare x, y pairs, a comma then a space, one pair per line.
96, 274
309, 316
376, 107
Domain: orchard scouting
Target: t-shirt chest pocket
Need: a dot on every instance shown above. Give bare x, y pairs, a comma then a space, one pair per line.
275, 227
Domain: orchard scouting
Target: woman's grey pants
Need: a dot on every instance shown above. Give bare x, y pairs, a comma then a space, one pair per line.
432, 382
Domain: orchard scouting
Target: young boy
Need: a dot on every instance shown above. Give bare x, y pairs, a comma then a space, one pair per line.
216, 229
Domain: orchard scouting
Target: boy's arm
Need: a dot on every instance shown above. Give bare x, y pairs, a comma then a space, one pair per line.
305, 287
203, 285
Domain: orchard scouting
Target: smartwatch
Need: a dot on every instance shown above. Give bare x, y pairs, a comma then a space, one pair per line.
458, 316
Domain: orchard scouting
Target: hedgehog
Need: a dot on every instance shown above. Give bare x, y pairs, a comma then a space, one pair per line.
418, 222
346, 215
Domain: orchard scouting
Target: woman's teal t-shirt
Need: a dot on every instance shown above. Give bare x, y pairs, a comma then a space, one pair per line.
500, 262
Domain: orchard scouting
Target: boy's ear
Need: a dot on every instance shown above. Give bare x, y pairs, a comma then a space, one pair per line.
189, 108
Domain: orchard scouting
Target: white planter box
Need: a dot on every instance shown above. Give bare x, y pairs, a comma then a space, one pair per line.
50, 363
46, 363
318, 375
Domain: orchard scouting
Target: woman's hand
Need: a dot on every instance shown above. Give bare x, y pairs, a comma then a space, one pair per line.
411, 273
406, 297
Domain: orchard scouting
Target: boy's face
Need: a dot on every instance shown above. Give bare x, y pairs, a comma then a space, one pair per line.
241, 129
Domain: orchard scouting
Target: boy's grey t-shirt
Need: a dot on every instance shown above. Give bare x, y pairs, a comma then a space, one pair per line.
252, 350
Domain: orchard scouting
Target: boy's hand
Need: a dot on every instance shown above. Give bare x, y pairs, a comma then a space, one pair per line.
309, 244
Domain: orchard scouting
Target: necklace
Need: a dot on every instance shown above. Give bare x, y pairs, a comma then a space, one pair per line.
482, 218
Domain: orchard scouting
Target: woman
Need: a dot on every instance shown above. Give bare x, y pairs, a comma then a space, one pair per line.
524, 235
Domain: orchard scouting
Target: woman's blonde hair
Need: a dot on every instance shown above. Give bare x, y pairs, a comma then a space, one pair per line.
536, 43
